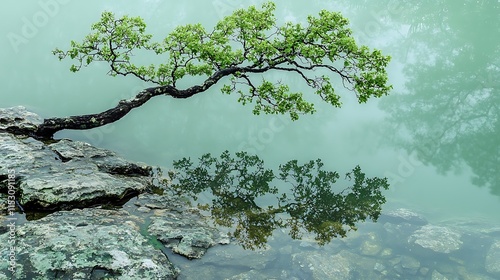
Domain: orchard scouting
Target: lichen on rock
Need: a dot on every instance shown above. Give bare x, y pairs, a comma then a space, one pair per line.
93, 243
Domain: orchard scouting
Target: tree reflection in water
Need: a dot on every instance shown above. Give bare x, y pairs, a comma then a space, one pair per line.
449, 110
237, 185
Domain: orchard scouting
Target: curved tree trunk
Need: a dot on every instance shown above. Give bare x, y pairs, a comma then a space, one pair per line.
50, 126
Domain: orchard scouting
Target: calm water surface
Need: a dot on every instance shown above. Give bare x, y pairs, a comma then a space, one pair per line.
436, 137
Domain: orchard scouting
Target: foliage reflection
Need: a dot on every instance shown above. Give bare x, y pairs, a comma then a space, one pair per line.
237, 185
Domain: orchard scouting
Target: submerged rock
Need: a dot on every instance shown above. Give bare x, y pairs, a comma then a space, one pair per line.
493, 259
178, 227
344, 265
438, 276
86, 244
371, 244
402, 215
409, 265
437, 238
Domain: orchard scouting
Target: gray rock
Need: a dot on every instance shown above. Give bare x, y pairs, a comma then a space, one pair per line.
379, 267
181, 228
18, 119
493, 259
371, 245
437, 238
106, 161
3, 204
473, 274
67, 174
186, 237
402, 215
410, 265
438, 276
344, 265
252, 275
235, 255
152, 201
86, 244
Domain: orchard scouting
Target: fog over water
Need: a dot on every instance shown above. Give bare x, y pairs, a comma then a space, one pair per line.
436, 136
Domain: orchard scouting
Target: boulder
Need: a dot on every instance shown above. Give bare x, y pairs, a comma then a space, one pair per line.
402, 215
436, 238
343, 265
18, 120
182, 229
493, 259
86, 244
67, 174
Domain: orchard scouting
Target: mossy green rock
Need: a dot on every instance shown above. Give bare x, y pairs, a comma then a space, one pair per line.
86, 244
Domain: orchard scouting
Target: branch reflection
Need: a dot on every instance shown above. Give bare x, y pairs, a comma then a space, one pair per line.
303, 197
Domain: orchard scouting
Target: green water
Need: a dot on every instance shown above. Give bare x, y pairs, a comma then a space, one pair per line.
436, 137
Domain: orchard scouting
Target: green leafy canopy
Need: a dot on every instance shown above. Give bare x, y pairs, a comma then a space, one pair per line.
243, 46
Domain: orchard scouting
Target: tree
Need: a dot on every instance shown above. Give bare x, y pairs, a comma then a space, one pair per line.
241, 47
311, 204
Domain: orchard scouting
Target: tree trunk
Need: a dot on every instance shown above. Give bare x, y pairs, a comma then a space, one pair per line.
50, 126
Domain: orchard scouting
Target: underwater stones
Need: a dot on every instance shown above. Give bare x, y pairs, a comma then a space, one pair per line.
250, 275
437, 238
343, 265
403, 215
177, 226
493, 258
409, 264
187, 236
248, 259
87, 244
401, 223
405, 265
18, 119
438, 276
371, 245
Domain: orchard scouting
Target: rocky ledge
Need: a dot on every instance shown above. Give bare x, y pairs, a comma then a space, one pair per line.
81, 239
63, 174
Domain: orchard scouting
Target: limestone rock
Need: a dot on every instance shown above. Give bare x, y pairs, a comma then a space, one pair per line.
18, 119
402, 215
344, 265
187, 236
437, 238
177, 226
493, 258
371, 245
438, 276
67, 174
248, 259
409, 265
106, 161
86, 244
